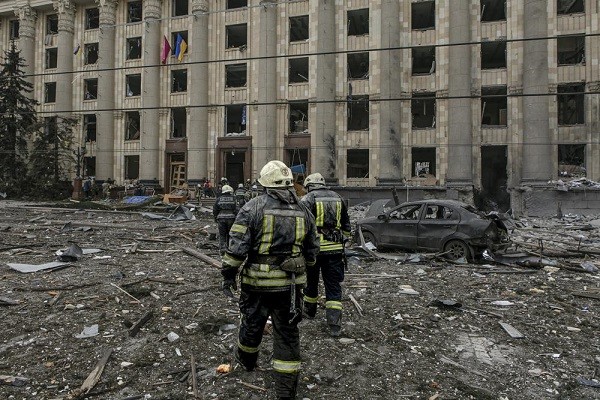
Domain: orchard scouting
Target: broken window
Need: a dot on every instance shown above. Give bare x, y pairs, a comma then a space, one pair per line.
52, 24
92, 18
178, 122
235, 75
90, 53
571, 104
358, 65
89, 127
237, 36
571, 160
180, 7
410, 212
298, 69
358, 113
89, 166
134, 11
423, 161
184, 36
13, 29
179, 80
231, 4
493, 106
51, 58
357, 164
423, 15
440, 212
132, 125
570, 6
299, 28
90, 89
571, 50
493, 10
422, 107
133, 85
298, 116
358, 22
493, 54
423, 60
49, 92
134, 48
132, 167
235, 119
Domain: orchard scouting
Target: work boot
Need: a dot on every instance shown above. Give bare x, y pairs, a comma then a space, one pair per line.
334, 320
246, 360
310, 309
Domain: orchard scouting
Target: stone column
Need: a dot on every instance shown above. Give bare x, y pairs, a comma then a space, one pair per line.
265, 138
27, 18
149, 135
322, 121
64, 87
390, 78
537, 147
105, 142
460, 137
197, 137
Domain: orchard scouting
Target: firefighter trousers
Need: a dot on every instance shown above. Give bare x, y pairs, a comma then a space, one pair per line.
331, 267
224, 227
256, 307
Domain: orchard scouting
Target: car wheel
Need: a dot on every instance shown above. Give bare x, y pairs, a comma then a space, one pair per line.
456, 249
369, 237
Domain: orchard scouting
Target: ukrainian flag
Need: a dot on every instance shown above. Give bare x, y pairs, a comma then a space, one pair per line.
180, 47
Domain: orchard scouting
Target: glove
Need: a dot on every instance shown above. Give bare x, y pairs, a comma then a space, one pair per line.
228, 287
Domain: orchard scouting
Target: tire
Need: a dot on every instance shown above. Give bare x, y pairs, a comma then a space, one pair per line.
456, 249
369, 237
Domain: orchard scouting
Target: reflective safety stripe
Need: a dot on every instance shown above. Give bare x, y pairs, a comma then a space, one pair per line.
286, 367
267, 237
334, 305
271, 282
311, 263
338, 214
320, 217
346, 233
300, 233
239, 228
247, 349
326, 245
285, 213
265, 273
229, 260
310, 299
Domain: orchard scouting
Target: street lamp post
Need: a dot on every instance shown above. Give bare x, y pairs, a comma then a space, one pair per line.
77, 183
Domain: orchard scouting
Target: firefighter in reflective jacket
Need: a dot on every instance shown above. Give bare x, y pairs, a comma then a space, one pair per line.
224, 211
277, 237
333, 223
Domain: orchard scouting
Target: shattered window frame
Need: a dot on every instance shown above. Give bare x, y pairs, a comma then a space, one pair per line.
489, 54
423, 60
90, 53
92, 18
233, 78
358, 25
90, 122
89, 166
178, 116
52, 24
570, 100
132, 125
180, 8
497, 13
423, 161
134, 12
358, 65
426, 102
50, 92
299, 28
492, 100
90, 89
298, 116
298, 70
570, 50
357, 163
422, 19
235, 124
132, 166
133, 85
571, 161
358, 110
567, 7
179, 78
233, 4
134, 48
13, 29
236, 36
51, 58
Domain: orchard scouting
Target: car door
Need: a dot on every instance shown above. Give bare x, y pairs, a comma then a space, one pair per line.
437, 222
400, 229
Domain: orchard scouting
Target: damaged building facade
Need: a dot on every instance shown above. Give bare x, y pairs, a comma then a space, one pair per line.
477, 97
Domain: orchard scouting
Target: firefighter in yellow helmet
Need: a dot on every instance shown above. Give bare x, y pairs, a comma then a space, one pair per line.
333, 224
277, 238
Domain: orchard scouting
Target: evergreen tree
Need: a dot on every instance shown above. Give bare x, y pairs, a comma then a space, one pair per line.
17, 122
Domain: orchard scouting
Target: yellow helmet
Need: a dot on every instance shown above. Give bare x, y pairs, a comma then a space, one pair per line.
314, 179
226, 189
275, 174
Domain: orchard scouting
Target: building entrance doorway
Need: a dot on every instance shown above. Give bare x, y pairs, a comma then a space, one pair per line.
234, 167
494, 179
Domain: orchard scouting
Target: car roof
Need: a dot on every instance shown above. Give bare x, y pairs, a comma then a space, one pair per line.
454, 203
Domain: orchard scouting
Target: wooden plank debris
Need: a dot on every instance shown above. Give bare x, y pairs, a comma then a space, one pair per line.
127, 293
587, 294
13, 380
194, 377
515, 334
5, 301
140, 323
356, 305
201, 256
93, 378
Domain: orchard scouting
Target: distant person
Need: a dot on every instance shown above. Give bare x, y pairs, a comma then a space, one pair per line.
87, 188
240, 196
224, 211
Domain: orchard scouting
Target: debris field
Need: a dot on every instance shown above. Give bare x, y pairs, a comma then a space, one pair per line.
135, 311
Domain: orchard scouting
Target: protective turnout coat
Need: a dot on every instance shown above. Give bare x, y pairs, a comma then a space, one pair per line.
225, 207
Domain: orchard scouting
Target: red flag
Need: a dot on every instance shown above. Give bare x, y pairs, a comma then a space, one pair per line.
166, 50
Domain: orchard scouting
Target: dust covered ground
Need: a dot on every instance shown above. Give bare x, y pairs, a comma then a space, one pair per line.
404, 345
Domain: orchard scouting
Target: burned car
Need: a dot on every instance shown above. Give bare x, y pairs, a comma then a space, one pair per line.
454, 228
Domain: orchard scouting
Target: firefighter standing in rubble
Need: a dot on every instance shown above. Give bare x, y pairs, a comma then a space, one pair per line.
277, 237
224, 211
333, 224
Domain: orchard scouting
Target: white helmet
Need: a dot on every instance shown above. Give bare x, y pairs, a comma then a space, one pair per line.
240, 186
275, 174
226, 189
314, 179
